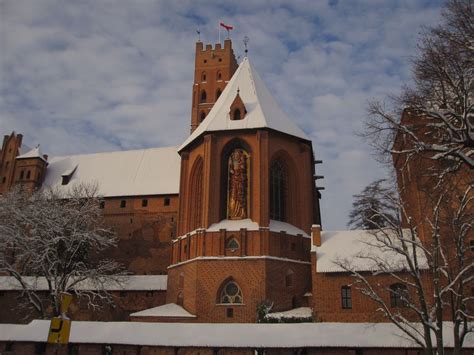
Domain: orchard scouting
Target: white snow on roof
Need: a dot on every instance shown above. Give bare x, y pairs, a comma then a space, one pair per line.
153, 171
262, 109
301, 312
23, 149
168, 310
358, 248
128, 283
236, 335
237, 224
32, 153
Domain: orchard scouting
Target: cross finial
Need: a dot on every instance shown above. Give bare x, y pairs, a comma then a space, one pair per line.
246, 40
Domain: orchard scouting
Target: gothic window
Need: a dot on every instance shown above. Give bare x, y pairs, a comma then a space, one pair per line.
218, 93
123, 203
22, 174
203, 76
28, 174
289, 278
166, 201
195, 208
202, 117
203, 96
219, 75
346, 297
231, 294
398, 295
278, 187
237, 182
232, 244
237, 115
144, 203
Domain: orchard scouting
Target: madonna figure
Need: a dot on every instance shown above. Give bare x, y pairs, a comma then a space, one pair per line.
237, 193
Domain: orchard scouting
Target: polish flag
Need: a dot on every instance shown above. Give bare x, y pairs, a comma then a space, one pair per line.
227, 27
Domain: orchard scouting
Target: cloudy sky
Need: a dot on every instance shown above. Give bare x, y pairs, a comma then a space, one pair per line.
101, 75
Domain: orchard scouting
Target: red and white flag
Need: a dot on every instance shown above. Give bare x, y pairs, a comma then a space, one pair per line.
227, 27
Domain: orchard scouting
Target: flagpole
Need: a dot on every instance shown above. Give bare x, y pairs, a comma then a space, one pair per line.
219, 33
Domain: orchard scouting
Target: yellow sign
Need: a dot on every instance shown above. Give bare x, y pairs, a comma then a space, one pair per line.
59, 331
66, 299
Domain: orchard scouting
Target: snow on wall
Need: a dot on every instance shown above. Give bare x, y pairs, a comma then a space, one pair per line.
130, 283
354, 247
167, 310
153, 171
370, 335
236, 225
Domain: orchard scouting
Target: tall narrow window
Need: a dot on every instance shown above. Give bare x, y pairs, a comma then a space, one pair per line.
195, 207
28, 174
203, 96
202, 117
219, 75
22, 174
237, 115
218, 93
123, 203
278, 183
203, 76
346, 297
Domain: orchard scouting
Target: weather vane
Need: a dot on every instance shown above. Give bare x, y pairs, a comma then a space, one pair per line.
246, 40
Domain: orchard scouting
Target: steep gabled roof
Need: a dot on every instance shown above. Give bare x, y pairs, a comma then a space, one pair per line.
262, 109
32, 153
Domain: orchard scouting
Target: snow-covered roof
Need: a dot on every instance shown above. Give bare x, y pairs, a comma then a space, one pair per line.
262, 109
300, 312
232, 335
128, 283
358, 249
236, 225
168, 310
153, 171
23, 149
32, 153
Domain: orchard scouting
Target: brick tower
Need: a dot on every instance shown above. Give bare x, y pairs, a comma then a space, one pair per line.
246, 203
213, 69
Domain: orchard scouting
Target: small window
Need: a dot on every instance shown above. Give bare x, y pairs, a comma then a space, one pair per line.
6, 164
293, 246
202, 117
167, 201
346, 297
237, 115
398, 295
102, 205
4, 180
232, 245
123, 203
230, 313
289, 278
28, 174
22, 174
219, 75
203, 76
203, 96
65, 179
218, 93
144, 203
205, 60
131, 220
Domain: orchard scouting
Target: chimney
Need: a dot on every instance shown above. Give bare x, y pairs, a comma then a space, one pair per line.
316, 235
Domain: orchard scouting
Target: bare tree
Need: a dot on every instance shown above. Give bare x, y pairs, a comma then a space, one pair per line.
434, 276
368, 205
57, 238
440, 101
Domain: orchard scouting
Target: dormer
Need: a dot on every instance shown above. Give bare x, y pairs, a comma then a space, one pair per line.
237, 108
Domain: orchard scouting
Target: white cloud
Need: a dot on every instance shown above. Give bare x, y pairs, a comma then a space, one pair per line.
103, 75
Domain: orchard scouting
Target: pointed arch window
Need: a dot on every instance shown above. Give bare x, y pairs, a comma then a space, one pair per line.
195, 207
203, 76
231, 293
237, 115
219, 75
278, 191
218, 93
203, 96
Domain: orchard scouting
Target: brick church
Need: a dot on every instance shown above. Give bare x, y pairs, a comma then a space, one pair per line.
229, 220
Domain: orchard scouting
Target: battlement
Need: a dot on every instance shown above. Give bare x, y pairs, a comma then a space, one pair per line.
217, 46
